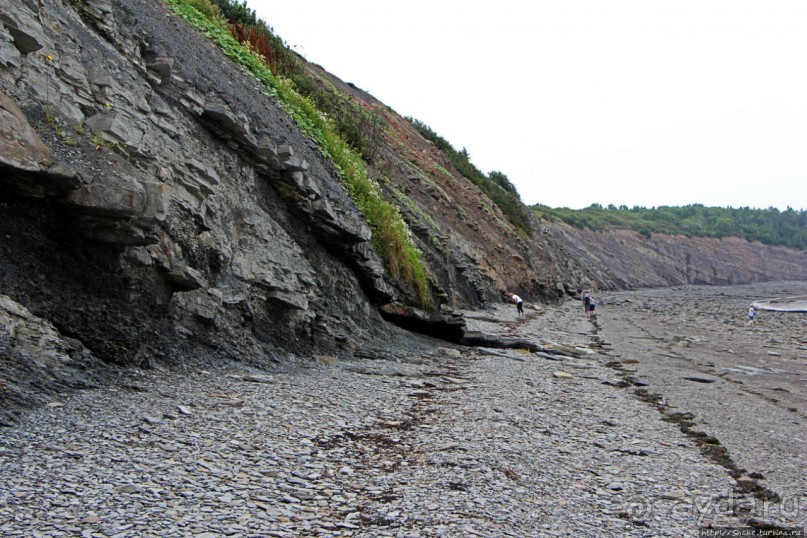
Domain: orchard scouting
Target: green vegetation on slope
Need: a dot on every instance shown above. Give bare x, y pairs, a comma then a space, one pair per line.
360, 128
391, 236
769, 226
496, 186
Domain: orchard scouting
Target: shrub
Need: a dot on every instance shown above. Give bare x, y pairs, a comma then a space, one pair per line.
268, 47
206, 8
390, 234
497, 186
237, 12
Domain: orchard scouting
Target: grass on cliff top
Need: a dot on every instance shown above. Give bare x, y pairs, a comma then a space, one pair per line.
391, 236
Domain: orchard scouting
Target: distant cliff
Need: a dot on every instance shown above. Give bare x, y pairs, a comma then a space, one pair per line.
623, 259
156, 205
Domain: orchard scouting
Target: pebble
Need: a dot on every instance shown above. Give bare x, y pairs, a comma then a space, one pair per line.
484, 446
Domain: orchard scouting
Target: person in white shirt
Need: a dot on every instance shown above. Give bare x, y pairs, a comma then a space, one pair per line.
519, 304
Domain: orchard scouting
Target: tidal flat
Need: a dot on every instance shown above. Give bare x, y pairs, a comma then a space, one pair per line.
664, 415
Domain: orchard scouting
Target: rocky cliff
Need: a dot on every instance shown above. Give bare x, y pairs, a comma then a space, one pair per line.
623, 259
158, 206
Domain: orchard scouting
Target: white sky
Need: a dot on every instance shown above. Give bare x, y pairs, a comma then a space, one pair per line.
635, 102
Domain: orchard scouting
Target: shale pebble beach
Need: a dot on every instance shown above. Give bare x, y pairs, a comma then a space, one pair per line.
601, 434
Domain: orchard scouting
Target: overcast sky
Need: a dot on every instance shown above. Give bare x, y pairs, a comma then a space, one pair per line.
635, 102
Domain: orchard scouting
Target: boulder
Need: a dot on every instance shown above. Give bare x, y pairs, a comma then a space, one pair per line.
123, 129
161, 65
185, 278
23, 29
26, 165
20, 147
9, 54
450, 328
117, 194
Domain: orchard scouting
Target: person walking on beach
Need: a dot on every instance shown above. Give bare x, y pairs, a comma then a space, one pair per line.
752, 313
519, 304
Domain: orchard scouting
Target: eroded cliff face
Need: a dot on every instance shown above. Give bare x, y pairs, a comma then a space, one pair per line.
477, 254
623, 259
155, 198
156, 205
